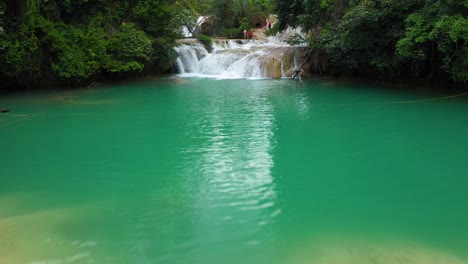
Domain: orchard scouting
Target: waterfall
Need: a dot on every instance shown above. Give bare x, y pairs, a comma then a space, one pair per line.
256, 59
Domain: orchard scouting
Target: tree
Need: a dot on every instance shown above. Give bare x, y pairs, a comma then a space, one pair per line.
385, 38
73, 41
365, 37
237, 15
436, 40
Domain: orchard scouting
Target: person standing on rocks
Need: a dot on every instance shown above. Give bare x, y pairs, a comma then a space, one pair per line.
297, 72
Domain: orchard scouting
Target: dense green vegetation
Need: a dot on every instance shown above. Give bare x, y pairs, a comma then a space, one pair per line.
82, 40
414, 39
69, 42
231, 17
64, 41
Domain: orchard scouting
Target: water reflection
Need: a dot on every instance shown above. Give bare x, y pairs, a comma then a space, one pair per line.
232, 167
302, 103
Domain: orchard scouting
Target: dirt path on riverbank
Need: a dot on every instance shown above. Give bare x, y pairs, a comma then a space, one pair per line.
259, 33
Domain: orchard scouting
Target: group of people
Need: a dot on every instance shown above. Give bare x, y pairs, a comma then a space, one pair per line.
249, 35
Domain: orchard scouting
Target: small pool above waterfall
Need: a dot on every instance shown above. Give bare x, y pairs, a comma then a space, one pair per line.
238, 58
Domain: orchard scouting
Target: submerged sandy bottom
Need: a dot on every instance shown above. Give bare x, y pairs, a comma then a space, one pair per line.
352, 251
37, 237
43, 237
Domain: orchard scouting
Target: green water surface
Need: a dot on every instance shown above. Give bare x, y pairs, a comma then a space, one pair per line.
234, 171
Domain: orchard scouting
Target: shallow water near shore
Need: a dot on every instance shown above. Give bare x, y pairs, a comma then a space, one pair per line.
177, 170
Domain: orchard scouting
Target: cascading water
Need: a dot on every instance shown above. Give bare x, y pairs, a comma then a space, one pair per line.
261, 58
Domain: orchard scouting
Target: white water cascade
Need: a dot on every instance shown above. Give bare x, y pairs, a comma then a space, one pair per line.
257, 59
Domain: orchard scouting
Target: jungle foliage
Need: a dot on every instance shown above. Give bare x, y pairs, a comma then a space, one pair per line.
81, 40
413, 39
231, 17
64, 41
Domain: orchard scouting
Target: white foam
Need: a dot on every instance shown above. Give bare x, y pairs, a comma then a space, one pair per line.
229, 59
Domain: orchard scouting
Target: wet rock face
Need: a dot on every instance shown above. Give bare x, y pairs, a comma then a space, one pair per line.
272, 68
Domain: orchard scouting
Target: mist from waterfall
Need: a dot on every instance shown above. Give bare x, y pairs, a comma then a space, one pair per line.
270, 57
